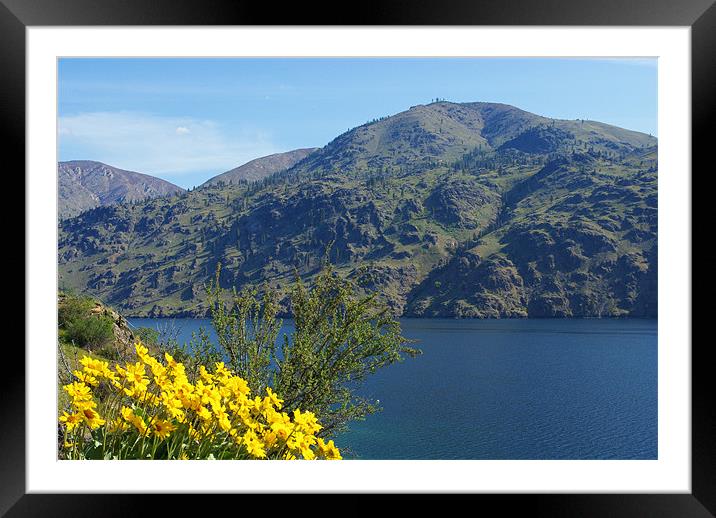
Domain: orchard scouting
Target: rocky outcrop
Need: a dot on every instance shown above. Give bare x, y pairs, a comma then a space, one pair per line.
463, 203
468, 287
540, 139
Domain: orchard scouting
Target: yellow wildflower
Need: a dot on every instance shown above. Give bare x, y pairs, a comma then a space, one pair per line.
238, 387
97, 368
92, 418
270, 438
224, 423
282, 430
307, 421
129, 415
308, 453
328, 450
256, 449
295, 440
179, 372
170, 360
204, 413
110, 376
333, 453
71, 420
81, 404
136, 373
86, 378
207, 393
142, 352
94, 367
221, 370
162, 428
137, 390
205, 375
122, 373
78, 391
302, 442
271, 395
253, 445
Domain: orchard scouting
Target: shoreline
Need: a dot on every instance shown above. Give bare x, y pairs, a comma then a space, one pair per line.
478, 319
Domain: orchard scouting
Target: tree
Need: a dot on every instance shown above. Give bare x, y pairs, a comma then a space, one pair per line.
246, 330
340, 338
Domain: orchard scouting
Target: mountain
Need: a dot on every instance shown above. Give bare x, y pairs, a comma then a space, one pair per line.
261, 167
461, 210
442, 132
84, 184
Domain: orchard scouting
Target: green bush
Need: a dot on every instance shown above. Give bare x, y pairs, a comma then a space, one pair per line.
340, 338
92, 331
72, 308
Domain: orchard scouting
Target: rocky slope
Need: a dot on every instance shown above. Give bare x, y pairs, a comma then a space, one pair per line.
83, 184
474, 210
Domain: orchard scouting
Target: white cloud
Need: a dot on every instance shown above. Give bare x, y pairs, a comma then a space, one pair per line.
159, 145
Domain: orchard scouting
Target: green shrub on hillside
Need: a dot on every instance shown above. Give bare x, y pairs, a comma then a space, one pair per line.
72, 308
92, 332
79, 326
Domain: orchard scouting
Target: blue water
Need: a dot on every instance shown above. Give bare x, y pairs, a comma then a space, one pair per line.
508, 389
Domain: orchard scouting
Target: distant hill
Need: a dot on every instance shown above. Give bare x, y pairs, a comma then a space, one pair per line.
84, 184
446, 210
260, 168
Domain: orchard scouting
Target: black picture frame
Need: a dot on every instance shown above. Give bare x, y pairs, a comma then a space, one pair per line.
699, 15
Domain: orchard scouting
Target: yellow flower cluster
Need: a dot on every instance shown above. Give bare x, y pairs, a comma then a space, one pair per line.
84, 408
152, 410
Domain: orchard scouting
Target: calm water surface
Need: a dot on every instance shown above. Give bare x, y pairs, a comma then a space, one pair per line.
507, 389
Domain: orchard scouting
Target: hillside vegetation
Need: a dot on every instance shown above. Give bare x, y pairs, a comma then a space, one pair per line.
470, 210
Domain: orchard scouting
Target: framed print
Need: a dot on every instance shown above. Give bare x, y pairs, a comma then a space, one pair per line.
527, 202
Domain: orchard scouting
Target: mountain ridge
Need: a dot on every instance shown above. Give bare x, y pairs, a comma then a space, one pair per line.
85, 184
261, 167
459, 210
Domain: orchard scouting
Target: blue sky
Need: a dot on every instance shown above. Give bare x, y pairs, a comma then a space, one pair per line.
186, 120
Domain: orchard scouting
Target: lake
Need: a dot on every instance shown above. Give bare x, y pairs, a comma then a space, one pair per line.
507, 389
